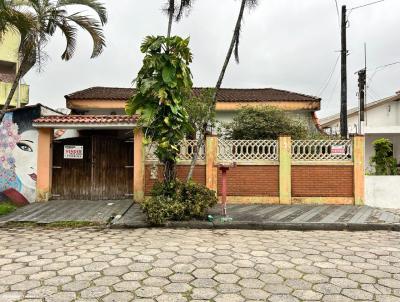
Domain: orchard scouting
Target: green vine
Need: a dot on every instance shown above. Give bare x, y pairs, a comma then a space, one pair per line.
162, 84
383, 160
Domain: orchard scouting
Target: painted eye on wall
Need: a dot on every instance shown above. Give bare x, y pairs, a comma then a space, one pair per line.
24, 147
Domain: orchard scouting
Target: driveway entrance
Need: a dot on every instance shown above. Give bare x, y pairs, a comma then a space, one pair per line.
103, 172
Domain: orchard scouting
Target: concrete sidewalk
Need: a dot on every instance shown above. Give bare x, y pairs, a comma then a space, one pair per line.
97, 212
124, 214
288, 217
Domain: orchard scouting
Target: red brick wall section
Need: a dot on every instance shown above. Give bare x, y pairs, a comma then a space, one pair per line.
199, 175
322, 181
251, 181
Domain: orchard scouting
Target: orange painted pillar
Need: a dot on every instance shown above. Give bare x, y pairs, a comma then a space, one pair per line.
211, 161
285, 169
359, 175
44, 164
138, 166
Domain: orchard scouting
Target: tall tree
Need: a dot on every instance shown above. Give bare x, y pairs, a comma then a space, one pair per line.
176, 12
234, 45
38, 21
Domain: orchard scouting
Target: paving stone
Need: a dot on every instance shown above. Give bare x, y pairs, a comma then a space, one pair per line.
326, 289
357, 294
95, 292
203, 293
204, 273
62, 297
25, 285
282, 298
254, 294
118, 297
9, 280
229, 298
156, 281
181, 277
228, 288
307, 295
75, 286
226, 278
41, 292
11, 296
107, 280
148, 292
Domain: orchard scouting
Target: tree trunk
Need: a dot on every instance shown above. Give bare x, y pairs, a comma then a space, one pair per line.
169, 172
230, 50
171, 10
199, 145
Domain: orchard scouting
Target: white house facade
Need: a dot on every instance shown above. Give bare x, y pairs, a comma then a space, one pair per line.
382, 120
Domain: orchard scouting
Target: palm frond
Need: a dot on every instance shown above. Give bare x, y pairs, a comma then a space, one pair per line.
97, 6
69, 32
93, 27
185, 5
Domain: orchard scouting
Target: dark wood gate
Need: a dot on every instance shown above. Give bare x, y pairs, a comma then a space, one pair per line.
104, 173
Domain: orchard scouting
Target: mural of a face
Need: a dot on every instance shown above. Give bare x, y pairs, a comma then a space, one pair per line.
18, 155
25, 155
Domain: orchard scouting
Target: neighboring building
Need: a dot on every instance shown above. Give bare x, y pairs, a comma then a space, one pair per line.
8, 68
107, 100
382, 120
18, 153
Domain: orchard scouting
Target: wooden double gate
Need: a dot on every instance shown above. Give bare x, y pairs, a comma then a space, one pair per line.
104, 173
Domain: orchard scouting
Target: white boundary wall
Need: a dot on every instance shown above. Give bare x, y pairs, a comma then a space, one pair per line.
382, 191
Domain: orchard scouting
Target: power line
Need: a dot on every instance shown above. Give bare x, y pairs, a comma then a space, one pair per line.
337, 12
380, 68
322, 89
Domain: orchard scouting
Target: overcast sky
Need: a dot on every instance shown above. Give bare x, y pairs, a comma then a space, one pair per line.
285, 44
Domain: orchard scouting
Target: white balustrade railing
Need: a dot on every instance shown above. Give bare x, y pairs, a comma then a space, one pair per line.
187, 149
328, 150
247, 150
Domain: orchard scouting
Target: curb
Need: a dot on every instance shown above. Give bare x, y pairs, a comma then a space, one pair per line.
248, 225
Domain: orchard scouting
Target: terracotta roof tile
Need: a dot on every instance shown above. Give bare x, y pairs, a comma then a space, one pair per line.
86, 119
224, 94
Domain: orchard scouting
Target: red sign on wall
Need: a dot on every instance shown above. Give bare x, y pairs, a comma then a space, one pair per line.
338, 150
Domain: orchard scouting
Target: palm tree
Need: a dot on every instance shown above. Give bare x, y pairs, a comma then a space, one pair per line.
176, 12
38, 20
234, 46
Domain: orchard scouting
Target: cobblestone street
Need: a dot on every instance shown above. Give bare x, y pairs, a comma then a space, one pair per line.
88, 265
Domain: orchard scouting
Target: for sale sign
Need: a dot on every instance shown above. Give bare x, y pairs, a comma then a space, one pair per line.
73, 152
338, 150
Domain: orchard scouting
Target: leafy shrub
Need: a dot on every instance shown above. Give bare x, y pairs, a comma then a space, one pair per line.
265, 123
182, 201
383, 160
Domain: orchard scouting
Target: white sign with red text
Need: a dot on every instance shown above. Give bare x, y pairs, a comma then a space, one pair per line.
73, 152
338, 150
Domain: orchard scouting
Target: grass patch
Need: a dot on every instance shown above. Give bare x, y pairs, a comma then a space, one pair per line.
71, 224
58, 224
6, 208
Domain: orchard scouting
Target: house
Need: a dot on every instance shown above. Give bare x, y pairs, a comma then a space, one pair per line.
18, 153
8, 68
108, 100
382, 120
99, 162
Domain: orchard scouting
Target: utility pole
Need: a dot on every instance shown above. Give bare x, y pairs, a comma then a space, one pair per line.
362, 74
343, 91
